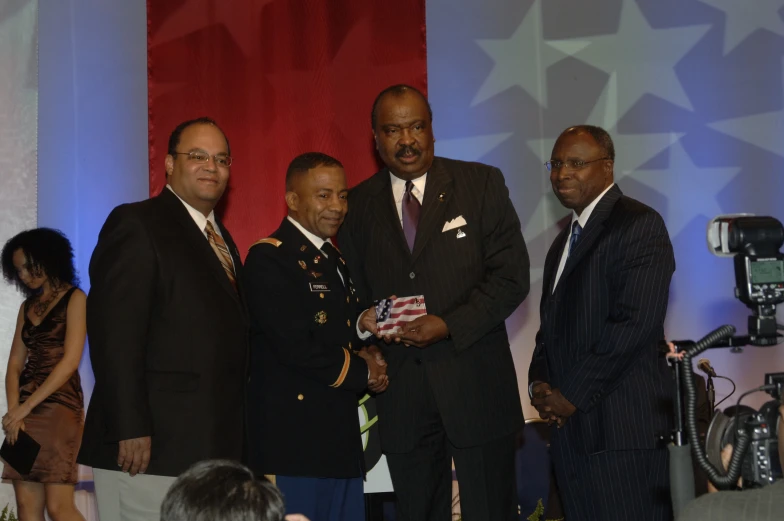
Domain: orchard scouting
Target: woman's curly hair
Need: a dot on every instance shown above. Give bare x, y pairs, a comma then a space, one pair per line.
46, 251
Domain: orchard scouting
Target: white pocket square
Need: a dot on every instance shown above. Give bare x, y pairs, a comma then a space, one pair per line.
454, 223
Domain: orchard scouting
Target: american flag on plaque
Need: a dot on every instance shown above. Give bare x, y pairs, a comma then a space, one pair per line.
393, 313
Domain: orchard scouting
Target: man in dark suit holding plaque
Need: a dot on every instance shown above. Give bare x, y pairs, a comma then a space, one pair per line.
447, 230
597, 371
307, 365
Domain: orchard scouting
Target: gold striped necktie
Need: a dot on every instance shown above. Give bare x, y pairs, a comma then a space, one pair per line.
220, 249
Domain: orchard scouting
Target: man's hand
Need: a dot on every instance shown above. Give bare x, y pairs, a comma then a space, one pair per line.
551, 404
378, 381
423, 331
367, 321
134, 455
726, 456
296, 517
539, 392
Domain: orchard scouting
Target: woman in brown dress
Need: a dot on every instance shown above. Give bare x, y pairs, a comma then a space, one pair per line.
42, 382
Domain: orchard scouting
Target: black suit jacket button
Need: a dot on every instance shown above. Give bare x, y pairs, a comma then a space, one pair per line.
418, 361
411, 275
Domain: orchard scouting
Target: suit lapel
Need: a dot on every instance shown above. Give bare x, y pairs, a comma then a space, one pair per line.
385, 210
593, 229
439, 181
198, 242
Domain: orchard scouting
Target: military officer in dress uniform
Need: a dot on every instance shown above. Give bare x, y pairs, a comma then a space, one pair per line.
307, 365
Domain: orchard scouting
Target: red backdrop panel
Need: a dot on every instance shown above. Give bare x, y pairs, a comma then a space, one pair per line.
281, 77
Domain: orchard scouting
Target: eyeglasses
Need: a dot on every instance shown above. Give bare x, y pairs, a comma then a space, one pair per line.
571, 164
202, 157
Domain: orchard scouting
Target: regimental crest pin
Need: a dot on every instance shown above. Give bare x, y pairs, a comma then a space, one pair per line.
460, 233
321, 318
303, 248
317, 259
315, 274
303, 265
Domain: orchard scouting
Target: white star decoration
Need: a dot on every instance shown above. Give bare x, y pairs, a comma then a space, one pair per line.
515, 58
761, 130
470, 148
745, 17
641, 57
691, 190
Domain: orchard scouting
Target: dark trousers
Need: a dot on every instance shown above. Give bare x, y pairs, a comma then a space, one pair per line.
323, 499
613, 485
422, 478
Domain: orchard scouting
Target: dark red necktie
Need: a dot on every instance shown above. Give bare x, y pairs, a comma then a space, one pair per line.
411, 209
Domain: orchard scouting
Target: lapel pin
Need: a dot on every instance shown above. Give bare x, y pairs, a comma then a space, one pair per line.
460, 233
303, 265
441, 197
303, 248
316, 260
315, 274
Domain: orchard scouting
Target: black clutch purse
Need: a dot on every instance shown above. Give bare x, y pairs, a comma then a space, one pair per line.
21, 455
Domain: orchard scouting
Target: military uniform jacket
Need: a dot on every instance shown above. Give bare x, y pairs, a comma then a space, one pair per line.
305, 377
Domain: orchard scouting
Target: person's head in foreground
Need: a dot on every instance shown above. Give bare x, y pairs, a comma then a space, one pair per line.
222, 490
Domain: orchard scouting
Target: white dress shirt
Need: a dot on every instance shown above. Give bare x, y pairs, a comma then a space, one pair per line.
583, 220
201, 221
399, 189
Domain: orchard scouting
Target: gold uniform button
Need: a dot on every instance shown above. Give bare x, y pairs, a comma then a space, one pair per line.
348, 323
346, 300
300, 397
321, 295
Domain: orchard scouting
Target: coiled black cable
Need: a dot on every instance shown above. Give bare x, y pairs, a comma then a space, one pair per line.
716, 476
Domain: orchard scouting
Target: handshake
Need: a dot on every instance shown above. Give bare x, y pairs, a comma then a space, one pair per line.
378, 381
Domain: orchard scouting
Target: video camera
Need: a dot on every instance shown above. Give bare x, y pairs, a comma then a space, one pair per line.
754, 243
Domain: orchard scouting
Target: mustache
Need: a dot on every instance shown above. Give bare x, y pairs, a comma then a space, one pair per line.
408, 149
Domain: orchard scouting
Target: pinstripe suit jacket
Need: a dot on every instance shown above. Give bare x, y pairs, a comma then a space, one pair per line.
473, 283
600, 328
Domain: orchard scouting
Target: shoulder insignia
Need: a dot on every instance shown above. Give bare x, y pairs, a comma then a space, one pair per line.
269, 240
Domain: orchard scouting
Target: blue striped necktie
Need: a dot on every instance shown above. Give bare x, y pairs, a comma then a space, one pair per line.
576, 231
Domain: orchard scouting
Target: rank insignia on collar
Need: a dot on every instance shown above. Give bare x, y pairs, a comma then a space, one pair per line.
303, 248
315, 274
303, 265
321, 318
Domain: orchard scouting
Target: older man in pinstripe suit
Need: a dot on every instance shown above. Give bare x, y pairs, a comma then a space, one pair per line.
596, 372
447, 230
